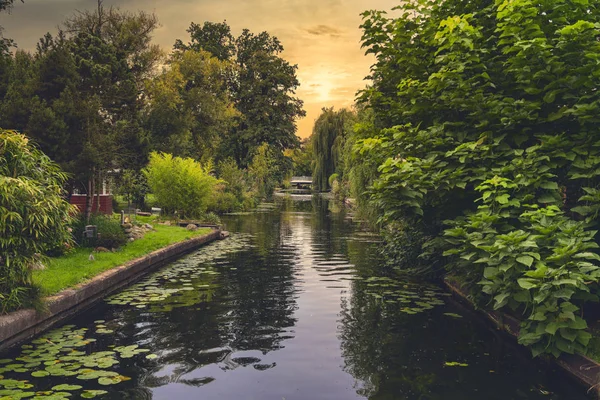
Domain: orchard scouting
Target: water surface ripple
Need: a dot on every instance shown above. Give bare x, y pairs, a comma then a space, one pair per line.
294, 307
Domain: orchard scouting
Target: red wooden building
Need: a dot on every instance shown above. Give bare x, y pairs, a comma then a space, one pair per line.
105, 203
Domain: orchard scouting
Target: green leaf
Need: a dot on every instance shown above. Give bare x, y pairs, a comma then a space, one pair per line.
527, 283
502, 199
551, 328
563, 293
490, 272
568, 334
501, 299
584, 337
90, 394
66, 388
549, 185
526, 260
578, 323
550, 96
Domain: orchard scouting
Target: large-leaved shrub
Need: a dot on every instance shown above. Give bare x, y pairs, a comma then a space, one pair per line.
487, 113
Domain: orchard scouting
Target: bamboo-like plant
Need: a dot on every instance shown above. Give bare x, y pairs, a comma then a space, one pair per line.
34, 216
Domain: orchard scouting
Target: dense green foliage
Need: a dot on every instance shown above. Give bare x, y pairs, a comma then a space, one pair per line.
95, 100
34, 216
262, 85
181, 185
484, 129
189, 105
302, 158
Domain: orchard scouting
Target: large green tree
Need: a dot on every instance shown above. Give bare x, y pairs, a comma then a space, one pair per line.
80, 95
262, 87
188, 106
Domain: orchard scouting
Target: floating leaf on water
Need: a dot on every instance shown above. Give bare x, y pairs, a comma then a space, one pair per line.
105, 381
90, 394
66, 387
455, 364
59, 354
151, 356
453, 315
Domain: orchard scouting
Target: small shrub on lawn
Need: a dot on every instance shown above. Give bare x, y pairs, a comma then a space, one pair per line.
110, 233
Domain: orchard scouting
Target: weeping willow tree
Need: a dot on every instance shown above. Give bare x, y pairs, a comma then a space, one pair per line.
327, 140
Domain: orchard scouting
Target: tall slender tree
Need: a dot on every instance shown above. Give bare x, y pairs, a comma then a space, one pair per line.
327, 141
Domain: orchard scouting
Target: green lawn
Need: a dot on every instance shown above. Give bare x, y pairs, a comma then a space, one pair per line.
68, 270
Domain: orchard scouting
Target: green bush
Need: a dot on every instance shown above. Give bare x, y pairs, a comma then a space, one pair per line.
110, 232
532, 259
333, 178
211, 218
223, 202
34, 217
403, 252
180, 185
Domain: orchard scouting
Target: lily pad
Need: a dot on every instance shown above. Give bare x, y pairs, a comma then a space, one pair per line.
455, 364
90, 394
66, 387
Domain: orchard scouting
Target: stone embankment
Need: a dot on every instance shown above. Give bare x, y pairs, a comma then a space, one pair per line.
583, 369
21, 325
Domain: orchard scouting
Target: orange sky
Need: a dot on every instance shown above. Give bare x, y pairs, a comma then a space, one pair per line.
321, 36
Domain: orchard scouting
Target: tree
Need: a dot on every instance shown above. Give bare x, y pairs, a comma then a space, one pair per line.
327, 140
189, 109
6, 5
302, 158
34, 216
262, 87
5, 45
215, 38
80, 95
264, 171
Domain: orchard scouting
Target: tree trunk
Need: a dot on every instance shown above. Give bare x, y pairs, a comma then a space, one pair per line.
98, 190
88, 199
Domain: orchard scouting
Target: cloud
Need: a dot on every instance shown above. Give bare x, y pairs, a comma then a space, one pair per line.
320, 30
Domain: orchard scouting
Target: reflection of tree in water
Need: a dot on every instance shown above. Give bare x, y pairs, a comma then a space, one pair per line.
374, 354
250, 309
392, 355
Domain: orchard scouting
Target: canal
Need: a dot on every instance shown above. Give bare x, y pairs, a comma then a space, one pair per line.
294, 306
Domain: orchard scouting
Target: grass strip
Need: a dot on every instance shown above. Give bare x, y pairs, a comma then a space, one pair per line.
70, 269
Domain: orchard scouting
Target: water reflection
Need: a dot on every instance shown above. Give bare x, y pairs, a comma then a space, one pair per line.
294, 314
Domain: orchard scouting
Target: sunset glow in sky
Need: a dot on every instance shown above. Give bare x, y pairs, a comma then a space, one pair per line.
321, 36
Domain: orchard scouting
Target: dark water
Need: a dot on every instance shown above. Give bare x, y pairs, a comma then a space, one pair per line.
286, 309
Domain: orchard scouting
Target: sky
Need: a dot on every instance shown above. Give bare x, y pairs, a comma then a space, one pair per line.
321, 36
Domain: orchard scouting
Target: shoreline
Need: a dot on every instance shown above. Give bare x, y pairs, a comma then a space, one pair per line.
22, 325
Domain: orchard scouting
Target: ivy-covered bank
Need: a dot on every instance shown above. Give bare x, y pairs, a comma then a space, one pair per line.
482, 120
